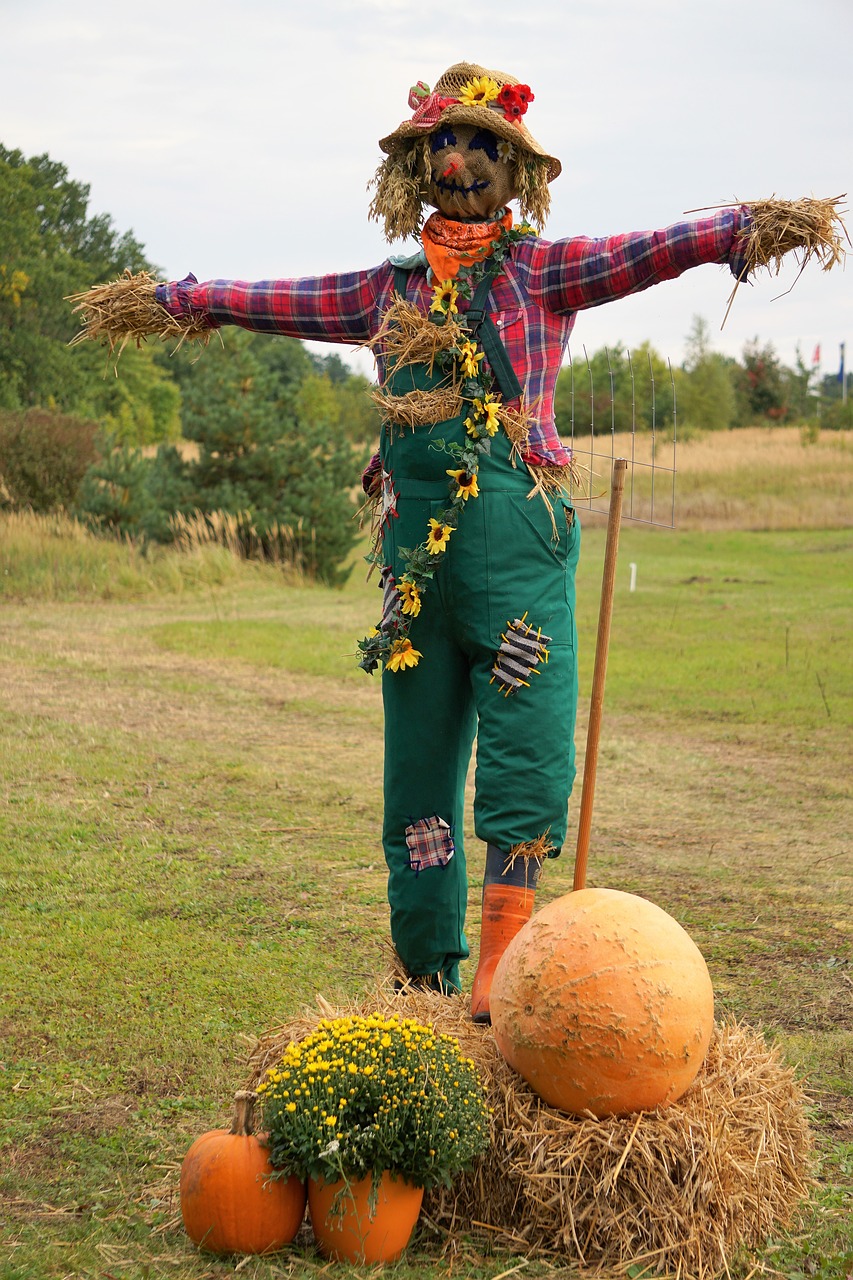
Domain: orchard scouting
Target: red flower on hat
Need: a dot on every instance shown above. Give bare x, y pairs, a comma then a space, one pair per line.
513, 99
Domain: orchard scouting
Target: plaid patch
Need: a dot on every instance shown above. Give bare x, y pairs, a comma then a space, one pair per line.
430, 843
522, 649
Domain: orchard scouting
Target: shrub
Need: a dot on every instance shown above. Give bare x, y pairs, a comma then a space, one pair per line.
44, 456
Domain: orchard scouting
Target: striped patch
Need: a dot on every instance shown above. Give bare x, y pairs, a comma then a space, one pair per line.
521, 650
390, 600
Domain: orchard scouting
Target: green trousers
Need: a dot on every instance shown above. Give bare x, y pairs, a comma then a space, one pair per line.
511, 557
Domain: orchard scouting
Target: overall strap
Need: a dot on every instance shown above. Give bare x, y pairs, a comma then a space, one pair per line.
490, 339
401, 280
483, 326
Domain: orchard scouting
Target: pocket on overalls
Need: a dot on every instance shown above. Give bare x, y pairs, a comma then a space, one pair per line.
532, 551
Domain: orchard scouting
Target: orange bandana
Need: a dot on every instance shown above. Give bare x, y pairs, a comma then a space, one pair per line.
449, 245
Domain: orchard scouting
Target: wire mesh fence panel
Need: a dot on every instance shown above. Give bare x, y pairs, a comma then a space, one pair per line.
623, 405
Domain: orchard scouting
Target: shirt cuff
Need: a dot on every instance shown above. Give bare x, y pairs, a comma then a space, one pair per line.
177, 299
738, 258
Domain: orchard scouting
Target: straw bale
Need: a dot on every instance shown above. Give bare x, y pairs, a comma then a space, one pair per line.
126, 310
419, 408
680, 1190
407, 336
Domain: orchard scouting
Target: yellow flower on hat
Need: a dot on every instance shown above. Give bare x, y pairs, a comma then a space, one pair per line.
467, 486
479, 91
403, 654
438, 536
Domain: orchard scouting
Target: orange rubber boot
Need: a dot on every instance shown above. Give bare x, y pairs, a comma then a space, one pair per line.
506, 909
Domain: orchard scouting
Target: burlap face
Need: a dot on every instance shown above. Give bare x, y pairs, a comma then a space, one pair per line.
470, 172
479, 99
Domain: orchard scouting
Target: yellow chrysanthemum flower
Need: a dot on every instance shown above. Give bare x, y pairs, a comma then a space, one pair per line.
403, 655
479, 91
469, 358
444, 299
467, 486
411, 597
438, 536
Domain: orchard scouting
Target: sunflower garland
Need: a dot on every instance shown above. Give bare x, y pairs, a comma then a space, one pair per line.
388, 643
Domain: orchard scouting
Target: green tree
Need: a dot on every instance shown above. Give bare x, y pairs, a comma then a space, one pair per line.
704, 384
801, 397
116, 496
49, 248
614, 389
296, 469
762, 385
321, 386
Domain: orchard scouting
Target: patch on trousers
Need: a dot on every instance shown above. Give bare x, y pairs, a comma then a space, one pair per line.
390, 600
388, 499
430, 843
521, 650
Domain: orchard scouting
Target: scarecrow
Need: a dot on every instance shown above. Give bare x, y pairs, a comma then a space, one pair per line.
476, 539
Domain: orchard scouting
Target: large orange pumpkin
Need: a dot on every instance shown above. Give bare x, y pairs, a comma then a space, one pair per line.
603, 1003
228, 1203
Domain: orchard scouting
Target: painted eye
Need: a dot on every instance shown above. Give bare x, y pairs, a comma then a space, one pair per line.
442, 138
484, 140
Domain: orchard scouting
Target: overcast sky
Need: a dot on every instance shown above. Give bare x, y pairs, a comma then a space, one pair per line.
236, 139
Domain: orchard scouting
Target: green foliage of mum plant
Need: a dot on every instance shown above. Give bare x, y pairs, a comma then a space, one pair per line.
360, 1096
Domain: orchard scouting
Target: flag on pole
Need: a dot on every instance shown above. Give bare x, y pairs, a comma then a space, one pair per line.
816, 356
841, 365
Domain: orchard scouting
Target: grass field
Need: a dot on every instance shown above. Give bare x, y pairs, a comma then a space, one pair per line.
190, 797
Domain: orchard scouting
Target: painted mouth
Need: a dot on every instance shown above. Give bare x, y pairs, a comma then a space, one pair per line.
450, 188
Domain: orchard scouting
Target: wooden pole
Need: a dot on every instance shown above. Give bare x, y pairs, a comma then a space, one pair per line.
599, 675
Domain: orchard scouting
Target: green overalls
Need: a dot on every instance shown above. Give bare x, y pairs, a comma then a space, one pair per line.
504, 562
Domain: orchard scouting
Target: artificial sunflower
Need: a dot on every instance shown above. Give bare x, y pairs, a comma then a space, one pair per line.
411, 597
490, 407
467, 486
469, 358
479, 91
472, 425
403, 654
438, 536
444, 299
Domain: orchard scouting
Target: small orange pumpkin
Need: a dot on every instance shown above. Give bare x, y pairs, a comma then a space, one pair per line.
228, 1203
347, 1231
603, 1003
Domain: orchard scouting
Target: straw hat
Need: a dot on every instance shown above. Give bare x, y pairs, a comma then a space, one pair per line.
471, 94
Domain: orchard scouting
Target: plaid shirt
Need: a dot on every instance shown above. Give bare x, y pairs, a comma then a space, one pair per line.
533, 302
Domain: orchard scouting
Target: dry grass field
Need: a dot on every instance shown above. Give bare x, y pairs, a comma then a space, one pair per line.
757, 478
